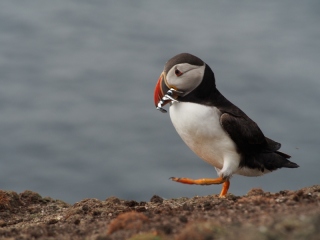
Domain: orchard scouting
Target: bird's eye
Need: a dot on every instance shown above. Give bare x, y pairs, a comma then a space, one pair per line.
178, 73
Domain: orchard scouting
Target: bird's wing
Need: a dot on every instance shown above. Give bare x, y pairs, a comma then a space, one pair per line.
246, 134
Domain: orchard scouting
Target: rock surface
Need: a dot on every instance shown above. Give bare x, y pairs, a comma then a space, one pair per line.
257, 215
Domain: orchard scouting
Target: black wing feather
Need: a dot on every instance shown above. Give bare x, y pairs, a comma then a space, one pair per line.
257, 150
246, 134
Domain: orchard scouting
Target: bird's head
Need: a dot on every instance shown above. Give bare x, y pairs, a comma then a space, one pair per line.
182, 74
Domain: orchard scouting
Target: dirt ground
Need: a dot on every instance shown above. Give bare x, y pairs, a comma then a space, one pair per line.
256, 215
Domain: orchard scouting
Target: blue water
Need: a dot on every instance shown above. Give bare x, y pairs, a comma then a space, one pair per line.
76, 97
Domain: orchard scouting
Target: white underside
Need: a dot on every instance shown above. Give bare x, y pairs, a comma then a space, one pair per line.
199, 127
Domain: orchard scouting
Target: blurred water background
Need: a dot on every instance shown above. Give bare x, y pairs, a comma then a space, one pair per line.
76, 96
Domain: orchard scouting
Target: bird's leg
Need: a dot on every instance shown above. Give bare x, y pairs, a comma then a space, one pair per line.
202, 181
225, 188
206, 181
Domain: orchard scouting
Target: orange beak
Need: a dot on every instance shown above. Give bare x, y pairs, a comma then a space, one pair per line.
160, 90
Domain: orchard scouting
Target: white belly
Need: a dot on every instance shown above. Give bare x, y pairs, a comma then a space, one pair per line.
199, 127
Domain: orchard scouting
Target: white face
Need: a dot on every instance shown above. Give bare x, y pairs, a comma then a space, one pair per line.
185, 77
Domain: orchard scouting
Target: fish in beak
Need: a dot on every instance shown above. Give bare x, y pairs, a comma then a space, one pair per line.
163, 94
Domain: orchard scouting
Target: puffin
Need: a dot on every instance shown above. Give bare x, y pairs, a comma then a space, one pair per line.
215, 129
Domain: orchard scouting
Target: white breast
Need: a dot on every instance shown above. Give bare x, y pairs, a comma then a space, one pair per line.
199, 127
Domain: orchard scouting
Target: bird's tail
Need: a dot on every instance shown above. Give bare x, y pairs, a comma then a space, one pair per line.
269, 161
277, 159
286, 163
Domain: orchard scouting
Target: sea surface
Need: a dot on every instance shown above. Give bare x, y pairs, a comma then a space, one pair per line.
77, 118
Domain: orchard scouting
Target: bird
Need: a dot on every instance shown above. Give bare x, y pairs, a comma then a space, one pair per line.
215, 129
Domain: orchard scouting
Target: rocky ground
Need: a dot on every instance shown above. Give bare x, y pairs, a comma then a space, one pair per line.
257, 215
